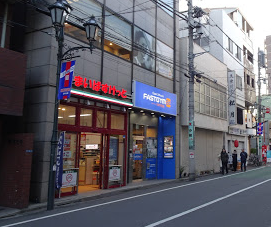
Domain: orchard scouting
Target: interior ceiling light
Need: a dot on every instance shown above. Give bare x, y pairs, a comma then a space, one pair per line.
110, 44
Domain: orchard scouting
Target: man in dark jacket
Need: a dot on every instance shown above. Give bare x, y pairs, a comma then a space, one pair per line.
234, 160
224, 159
243, 156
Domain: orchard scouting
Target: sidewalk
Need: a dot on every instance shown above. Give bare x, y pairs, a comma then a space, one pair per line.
86, 196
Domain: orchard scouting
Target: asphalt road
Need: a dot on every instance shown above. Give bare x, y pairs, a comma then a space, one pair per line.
240, 199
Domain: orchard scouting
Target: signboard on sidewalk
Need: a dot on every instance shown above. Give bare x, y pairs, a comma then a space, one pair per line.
69, 178
65, 80
114, 172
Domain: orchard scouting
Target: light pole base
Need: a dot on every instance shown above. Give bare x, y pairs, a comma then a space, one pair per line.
192, 176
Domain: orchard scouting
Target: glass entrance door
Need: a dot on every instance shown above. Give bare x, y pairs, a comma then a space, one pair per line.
90, 164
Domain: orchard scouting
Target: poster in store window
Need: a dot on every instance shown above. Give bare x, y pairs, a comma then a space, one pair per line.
168, 147
151, 168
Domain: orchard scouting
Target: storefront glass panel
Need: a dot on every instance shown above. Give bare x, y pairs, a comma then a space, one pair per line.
101, 119
86, 117
138, 141
117, 121
66, 115
89, 161
116, 159
69, 158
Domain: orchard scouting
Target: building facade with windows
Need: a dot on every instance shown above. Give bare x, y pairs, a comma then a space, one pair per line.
124, 96
227, 35
211, 110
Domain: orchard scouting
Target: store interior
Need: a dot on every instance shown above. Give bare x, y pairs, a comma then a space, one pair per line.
89, 161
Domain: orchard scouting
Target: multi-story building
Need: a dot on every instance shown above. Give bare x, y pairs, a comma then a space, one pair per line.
226, 35
122, 119
210, 110
15, 145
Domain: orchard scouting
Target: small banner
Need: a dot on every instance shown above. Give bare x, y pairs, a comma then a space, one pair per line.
259, 128
59, 160
65, 80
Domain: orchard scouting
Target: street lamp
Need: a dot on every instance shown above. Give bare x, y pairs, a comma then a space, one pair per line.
59, 12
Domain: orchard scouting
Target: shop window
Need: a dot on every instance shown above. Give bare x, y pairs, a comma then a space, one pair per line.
117, 121
101, 119
164, 62
144, 49
118, 36
66, 115
116, 159
83, 8
69, 151
86, 117
151, 142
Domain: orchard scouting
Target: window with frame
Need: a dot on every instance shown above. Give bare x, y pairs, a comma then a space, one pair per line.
144, 49
252, 83
230, 45
239, 82
250, 56
66, 114
248, 80
239, 116
168, 4
84, 6
118, 36
238, 53
210, 99
164, 62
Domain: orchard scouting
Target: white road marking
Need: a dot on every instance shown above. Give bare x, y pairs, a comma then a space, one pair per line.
120, 200
204, 205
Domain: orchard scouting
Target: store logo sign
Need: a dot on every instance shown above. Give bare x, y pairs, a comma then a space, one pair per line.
152, 98
98, 86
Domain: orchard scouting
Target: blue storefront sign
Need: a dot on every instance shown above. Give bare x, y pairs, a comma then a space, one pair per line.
65, 80
151, 168
59, 160
152, 98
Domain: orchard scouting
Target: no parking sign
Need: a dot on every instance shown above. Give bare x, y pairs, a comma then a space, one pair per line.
114, 173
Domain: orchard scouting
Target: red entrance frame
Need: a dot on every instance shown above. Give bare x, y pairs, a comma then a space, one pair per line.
106, 132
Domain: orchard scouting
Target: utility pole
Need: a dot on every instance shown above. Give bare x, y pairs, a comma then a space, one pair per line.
259, 102
191, 125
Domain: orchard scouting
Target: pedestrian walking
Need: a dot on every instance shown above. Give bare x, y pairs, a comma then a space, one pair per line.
224, 159
243, 156
234, 160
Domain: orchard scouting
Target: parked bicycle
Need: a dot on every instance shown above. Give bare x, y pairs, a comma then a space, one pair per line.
254, 160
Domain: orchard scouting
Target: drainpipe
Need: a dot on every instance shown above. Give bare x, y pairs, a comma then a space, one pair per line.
4, 27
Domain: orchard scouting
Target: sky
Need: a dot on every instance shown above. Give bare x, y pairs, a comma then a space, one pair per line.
257, 13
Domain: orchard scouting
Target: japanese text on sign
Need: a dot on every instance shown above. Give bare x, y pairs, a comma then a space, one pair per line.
98, 86
232, 98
